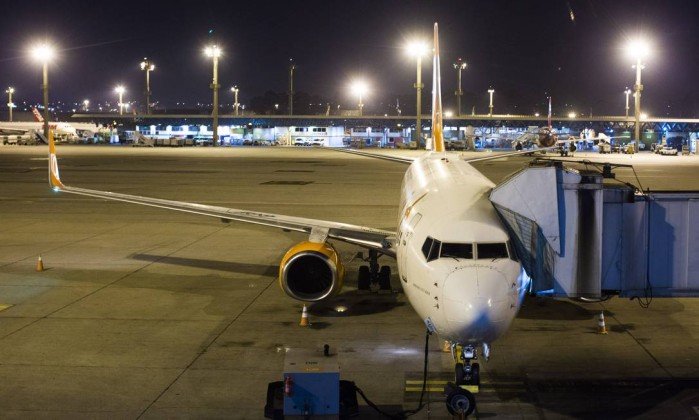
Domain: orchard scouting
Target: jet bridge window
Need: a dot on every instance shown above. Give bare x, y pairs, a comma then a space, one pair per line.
492, 251
456, 251
430, 249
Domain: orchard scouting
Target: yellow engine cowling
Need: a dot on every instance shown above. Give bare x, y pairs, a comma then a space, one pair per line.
311, 271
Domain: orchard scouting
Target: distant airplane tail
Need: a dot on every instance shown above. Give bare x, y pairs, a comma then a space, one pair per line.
437, 132
37, 115
54, 178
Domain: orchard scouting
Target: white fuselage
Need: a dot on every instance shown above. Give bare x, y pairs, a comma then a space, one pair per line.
465, 279
61, 129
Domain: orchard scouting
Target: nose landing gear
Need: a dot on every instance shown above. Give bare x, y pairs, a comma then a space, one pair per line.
467, 380
374, 274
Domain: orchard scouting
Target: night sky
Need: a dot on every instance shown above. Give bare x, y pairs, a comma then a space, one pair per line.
525, 50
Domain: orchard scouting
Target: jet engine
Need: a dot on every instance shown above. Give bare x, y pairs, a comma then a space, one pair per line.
311, 271
546, 138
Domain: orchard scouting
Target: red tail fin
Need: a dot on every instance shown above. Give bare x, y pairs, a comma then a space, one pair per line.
37, 115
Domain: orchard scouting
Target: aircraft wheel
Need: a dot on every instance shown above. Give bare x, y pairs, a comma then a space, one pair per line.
476, 374
460, 402
363, 278
385, 278
459, 374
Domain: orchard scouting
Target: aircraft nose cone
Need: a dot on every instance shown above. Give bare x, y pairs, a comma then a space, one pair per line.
475, 298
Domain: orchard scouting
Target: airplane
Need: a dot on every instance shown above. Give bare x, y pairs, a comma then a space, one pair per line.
61, 130
546, 136
455, 263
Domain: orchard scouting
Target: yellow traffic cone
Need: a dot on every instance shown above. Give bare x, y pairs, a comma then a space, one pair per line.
304, 317
39, 264
601, 326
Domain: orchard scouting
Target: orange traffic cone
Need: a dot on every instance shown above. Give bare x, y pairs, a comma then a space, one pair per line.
39, 264
601, 326
304, 317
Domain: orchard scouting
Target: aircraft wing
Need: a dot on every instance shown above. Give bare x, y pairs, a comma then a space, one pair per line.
572, 138
318, 230
7, 130
401, 159
409, 160
509, 154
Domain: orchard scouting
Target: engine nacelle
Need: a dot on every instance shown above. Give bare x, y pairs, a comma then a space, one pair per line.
311, 271
546, 138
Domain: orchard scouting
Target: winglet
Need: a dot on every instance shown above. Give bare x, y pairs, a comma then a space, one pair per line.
54, 178
437, 132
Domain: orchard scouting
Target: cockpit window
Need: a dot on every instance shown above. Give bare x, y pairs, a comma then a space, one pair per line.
456, 251
426, 246
433, 249
430, 249
492, 251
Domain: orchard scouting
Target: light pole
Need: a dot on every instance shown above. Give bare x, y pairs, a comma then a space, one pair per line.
490, 107
417, 49
459, 65
44, 53
214, 52
637, 49
10, 105
359, 88
120, 91
292, 67
148, 67
86, 104
236, 105
627, 92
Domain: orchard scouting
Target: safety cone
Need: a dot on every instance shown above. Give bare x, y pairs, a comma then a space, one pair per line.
39, 264
446, 346
304, 317
601, 326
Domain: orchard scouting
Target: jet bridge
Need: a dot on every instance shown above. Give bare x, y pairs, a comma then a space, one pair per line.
577, 237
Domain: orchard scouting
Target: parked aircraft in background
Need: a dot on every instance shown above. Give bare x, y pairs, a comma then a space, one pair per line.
61, 130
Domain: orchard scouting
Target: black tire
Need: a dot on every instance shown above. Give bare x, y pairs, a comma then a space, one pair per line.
459, 374
385, 278
363, 278
460, 401
476, 374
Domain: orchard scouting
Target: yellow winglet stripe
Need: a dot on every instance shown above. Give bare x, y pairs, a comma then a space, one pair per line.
54, 177
437, 133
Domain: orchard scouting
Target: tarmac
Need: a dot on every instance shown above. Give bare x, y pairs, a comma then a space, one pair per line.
148, 313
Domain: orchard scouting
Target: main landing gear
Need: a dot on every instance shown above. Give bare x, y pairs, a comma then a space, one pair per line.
467, 380
374, 274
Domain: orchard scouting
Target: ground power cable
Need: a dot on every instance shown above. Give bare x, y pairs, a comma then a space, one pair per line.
421, 404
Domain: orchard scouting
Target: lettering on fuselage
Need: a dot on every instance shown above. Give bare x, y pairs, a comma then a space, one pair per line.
463, 267
421, 289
